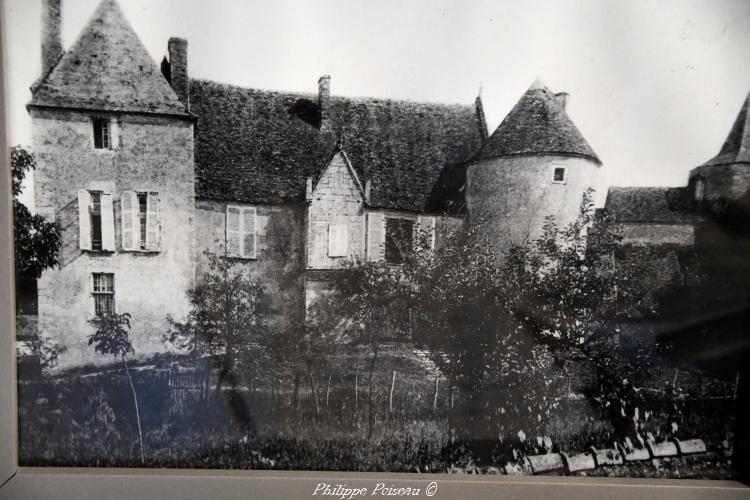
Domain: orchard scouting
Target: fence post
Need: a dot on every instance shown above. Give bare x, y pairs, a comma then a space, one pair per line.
356, 393
328, 389
434, 401
390, 398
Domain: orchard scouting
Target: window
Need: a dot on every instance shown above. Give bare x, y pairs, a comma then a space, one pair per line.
141, 228
241, 237
558, 174
102, 137
95, 215
700, 189
96, 221
142, 218
103, 293
399, 239
106, 133
337, 240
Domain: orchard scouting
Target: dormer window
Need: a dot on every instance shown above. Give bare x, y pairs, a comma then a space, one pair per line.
558, 175
102, 136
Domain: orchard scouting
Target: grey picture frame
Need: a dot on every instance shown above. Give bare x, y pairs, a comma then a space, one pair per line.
32, 483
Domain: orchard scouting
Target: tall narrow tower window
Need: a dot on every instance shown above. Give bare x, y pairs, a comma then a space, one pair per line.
102, 137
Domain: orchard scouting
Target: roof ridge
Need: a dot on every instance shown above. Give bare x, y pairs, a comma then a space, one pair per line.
337, 97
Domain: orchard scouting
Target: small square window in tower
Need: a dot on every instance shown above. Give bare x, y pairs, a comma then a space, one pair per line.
102, 136
103, 293
399, 239
558, 174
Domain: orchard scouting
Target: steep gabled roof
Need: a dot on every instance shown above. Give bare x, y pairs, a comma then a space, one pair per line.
259, 146
655, 205
108, 68
736, 148
537, 125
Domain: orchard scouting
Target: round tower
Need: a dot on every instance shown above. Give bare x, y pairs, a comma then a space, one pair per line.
725, 178
535, 164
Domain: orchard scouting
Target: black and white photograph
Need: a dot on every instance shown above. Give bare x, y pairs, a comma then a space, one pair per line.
468, 237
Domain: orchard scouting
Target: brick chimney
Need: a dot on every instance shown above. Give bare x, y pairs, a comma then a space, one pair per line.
481, 120
178, 69
324, 101
562, 99
51, 37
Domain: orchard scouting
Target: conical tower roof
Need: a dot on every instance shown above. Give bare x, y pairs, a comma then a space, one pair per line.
108, 68
736, 148
538, 125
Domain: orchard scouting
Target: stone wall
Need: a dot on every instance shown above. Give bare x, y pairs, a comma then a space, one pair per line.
512, 196
658, 234
279, 263
155, 154
336, 199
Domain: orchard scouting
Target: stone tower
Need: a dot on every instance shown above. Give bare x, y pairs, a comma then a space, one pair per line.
535, 164
115, 168
726, 177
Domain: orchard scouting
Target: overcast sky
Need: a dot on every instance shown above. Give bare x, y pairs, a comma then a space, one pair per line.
654, 85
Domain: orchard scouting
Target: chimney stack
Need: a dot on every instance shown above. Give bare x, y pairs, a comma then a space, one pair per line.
51, 37
562, 99
178, 69
324, 101
481, 120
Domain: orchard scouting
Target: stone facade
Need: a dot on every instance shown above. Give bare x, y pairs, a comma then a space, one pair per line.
154, 154
511, 196
337, 199
279, 263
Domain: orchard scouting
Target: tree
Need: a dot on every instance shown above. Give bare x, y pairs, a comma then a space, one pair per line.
362, 307
228, 321
508, 328
37, 240
111, 337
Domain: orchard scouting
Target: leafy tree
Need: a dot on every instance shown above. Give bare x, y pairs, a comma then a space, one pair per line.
111, 337
37, 240
362, 307
228, 321
507, 329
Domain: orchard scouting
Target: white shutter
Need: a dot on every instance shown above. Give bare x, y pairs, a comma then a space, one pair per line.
249, 233
233, 231
84, 219
152, 221
114, 133
426, 228
375, 236
130, 221
108, 223
337, 240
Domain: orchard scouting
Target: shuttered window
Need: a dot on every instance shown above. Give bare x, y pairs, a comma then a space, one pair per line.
96, 221
426, 232
241, 232
141, 224
375, 235
399, 239
337, 240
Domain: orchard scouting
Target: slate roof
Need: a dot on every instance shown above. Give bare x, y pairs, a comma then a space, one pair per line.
107, 68
259, 146
736, 148
537, 125
659, 205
